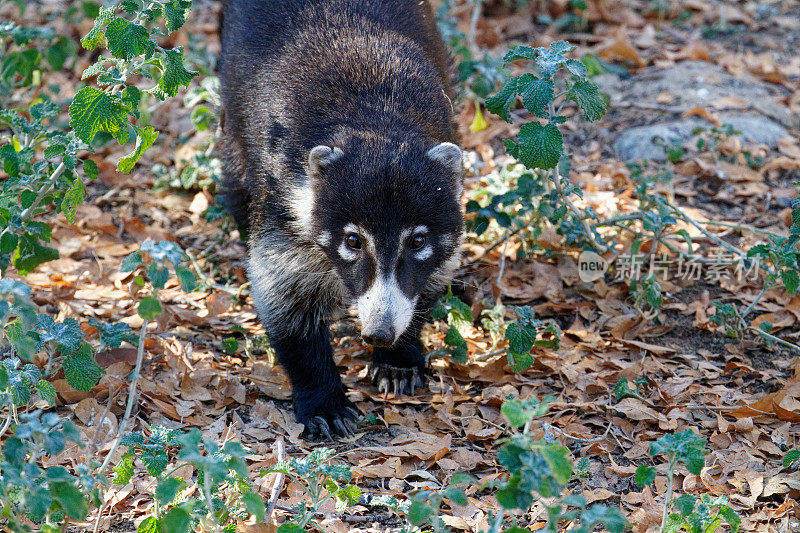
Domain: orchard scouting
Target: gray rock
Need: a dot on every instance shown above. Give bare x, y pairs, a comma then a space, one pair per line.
695, 83
637, 143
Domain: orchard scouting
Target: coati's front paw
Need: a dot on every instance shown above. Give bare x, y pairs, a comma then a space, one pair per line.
397, 379
327, 415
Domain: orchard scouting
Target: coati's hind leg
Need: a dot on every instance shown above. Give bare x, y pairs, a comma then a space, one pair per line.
401, 368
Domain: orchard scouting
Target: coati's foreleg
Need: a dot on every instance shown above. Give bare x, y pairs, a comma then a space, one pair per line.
289, 306
320, 402
401, 368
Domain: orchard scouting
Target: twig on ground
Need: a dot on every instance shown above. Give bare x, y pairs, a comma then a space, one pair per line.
278, 483
128, 409
771, 337
548, 427
502, 262
490, 248
473, 23
577, 212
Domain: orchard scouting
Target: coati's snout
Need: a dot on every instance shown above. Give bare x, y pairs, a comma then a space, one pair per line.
387, 231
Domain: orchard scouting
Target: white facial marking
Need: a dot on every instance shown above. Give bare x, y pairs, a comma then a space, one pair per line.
420, 230
324, 239
424, 254
346, 253
383, 303
301, 204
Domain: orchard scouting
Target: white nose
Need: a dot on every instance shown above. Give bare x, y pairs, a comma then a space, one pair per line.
385, 312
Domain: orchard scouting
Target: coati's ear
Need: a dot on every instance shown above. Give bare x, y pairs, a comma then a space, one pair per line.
320, 157
449, 155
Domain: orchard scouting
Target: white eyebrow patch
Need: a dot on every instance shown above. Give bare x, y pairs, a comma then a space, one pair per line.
420, 229
346, 253
424, 254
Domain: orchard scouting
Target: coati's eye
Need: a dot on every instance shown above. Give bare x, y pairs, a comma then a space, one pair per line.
417, 242
353, 241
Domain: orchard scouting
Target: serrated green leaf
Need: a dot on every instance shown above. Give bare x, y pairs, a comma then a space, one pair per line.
230, 345
127, 40
419, 512
81, 370
790, 457
150, 524
93, 110
46, 391
588, 98
130, 262
520, 361
687, 446
186, 278
520, 339
112, 335
144, 140
175, 14
685, 503
539, 146
124, 470
536, 93
149, 308
90, 169
645, 475
791, 281
155, 462
70, 498
454, 338
576, 68
175, 74
674, 523
254, 505
557, 458
31, 253
167, 490
158, 275
730, 517
72, 198
176, 520
96, 36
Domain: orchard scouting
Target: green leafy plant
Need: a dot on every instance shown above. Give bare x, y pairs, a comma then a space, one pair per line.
701, 515
791, 459
40, 154
459, 319
46, 496
537, 471
24, 334
525, 333
222, 479
555, 81
166, 258
322, 481
685, 447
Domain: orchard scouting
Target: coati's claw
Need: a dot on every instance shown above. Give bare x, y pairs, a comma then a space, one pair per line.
341, 428
398, 380
342, 423
318, 425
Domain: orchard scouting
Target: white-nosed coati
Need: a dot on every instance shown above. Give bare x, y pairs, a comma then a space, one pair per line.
341, 166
